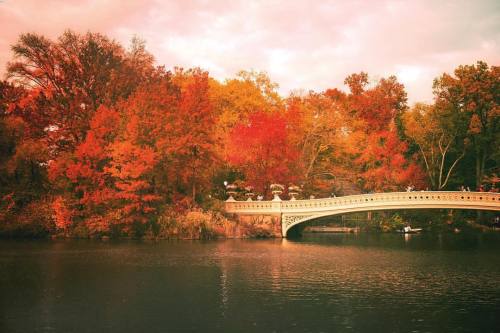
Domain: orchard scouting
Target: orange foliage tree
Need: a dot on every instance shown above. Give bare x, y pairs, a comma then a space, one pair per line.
191, 136
131, 168
62, 214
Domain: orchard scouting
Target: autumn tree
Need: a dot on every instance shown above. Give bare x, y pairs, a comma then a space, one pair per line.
474, 91
439, 134
235, 99
379, 106
63, 215
264, 84
262, 150
87, 170
24, 209
22, 161
374, 142
22, 156
68, 80
131, 166
193, 145
136, 69
110, 174
385, 168
315, 125
178, 122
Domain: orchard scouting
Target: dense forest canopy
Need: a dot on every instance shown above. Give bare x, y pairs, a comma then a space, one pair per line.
94, 136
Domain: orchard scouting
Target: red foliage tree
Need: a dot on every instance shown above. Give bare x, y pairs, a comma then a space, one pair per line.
385, 165
63, 215
68, 79
379, 156
84, 171
262, 150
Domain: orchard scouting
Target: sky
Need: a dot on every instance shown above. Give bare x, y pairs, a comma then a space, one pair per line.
302, 45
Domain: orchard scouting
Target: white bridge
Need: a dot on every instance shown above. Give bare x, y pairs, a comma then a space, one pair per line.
293, 212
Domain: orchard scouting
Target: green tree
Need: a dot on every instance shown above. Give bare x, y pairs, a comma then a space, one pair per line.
474, 91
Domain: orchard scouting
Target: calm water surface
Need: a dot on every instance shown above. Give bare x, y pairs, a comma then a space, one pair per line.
321, 283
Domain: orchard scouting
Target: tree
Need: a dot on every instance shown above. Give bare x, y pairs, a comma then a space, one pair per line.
131, 168
379, 106
68, 79
474, 91
373, 135
384, 165
192, 144
261, 149
22, 161
83, 173
263, 83
315, 127
62, 214
178, 122
440, 137
235, 99
24, 210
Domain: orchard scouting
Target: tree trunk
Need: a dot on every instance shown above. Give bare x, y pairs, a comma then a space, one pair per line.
478, 169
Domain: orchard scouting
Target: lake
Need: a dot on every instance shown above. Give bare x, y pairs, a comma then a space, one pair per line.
318, 283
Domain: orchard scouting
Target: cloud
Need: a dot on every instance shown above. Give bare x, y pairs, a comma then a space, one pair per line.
301, 45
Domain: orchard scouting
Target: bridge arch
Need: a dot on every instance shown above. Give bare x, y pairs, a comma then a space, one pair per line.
294, 212
290, 223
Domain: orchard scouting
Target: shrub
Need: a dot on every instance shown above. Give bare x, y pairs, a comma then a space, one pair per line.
35, 219
193, 224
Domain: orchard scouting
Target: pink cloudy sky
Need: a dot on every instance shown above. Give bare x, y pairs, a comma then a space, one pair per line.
301, 44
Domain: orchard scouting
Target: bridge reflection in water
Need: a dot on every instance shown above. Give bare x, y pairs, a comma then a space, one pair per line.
293, 212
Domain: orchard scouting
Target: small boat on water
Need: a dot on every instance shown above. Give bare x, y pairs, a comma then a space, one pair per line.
409, 230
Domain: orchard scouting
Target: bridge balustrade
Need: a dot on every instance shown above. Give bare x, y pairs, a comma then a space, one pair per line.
361, 199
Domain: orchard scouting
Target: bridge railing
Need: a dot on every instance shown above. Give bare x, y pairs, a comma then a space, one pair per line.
365, 200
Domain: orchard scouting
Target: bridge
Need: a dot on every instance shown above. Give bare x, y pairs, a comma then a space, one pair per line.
292, 212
